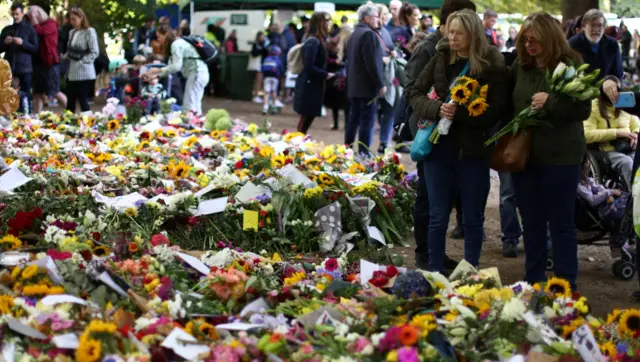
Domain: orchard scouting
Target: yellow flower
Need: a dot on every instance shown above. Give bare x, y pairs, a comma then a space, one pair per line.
392, 356
41, 289
569, 329
469, 290
203, 180
15, 273
89, 351
484, 91
11, 242
267, 151
296, 278
326, 180
460, 94
131, 212
312, 192
558, 287
289, 136
629, 323
190, 141
180, 170
113, 125
477, 107
215, 134
613, 317
472, 85
278, 161
29, 272
98, 326
581, 305
159, 132
252, 128
356, 168
425, 323
609, 349
100, 251
170, 133
6, 304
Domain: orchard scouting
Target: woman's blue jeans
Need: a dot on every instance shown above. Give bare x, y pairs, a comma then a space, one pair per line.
546, 195
445, 168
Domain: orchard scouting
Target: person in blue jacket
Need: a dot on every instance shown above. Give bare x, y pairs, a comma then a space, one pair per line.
19, 43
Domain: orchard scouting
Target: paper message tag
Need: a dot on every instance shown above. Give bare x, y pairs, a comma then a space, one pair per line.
208, 207
239, 326
62, 298
12, 179
250, 220
194, 262
9, 352
66, 341
25, 330
107, 280
250, 191
376, 234
52, 270
257, 306
202, 192
184, 344
586, 345
295, 176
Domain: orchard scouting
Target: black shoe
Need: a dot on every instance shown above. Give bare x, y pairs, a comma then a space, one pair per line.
457, 233
510, 249
403, 149
450, 264
422, 262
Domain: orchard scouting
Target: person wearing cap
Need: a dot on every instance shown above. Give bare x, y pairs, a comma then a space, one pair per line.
426, 24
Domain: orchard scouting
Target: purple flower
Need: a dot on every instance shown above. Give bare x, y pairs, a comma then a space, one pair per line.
336, 274
408, 354
517, 289
264, 199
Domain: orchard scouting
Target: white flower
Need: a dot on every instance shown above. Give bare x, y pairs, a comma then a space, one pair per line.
142, 323
163, 253
175, 307
368, 350
513, 310
559, 71
376, 338
351, 337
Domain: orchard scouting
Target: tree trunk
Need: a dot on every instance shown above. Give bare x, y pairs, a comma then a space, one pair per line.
574, 8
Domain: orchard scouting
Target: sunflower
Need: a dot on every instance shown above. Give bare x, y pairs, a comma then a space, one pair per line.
568, 330
170, 133
289, 136
180, 170
472, 85
278, 161
159, 132
89, 351
267, 152
10, 242
484, 91
356, 168
477, 107
98, 326
609, 349
29, 272
558, 287
460, 94
215, 134
613, 317
190, 141
15, 273
113, 125
102, 250
326, 179
6, 304
208, 330
629, 323
143, 145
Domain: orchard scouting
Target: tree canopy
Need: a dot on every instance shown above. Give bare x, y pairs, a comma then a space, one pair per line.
520, 6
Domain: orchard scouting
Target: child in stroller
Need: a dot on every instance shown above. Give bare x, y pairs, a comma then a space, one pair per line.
609, 207
153, 92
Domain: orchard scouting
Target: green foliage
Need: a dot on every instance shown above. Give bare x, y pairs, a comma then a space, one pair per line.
626, 8
523, 7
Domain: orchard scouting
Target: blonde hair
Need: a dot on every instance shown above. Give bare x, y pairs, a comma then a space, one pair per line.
139, 59
343, 38
382, 9
548, 32
478, 45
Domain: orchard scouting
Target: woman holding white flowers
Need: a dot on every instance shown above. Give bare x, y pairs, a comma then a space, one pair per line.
459, 158
546, 189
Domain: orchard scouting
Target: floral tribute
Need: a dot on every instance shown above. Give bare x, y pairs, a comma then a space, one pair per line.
160, 241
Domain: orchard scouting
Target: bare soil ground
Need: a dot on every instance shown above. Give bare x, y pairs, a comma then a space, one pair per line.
596, 281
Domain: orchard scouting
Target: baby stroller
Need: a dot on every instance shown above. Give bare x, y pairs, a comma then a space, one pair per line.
591, 228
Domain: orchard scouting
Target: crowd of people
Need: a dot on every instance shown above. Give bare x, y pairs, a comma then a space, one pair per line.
369, 60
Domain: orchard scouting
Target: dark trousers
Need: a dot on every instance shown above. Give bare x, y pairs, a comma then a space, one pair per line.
444, 168
25, 82
336, 115
546, 195
362, 116
79, 91
421, 219
153, 105
305, 123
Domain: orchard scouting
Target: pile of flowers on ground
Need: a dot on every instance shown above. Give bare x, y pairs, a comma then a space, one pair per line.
103, 220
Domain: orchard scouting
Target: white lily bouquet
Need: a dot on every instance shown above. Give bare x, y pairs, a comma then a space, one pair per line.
566, 81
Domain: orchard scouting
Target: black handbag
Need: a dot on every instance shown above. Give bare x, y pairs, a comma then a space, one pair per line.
622, 145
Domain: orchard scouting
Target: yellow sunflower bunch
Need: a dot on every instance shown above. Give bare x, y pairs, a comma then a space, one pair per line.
325, 180
312, 163
629, 323
267, 151
90, 349
280, 161
6, 304
113, 125
356, 168
190, 142
313, 192
466, 93
558, 287
178, 171
10, 242
296, 278
201, 330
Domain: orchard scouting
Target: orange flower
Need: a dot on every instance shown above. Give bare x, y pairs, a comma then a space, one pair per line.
133, 247
408, 335
275, 338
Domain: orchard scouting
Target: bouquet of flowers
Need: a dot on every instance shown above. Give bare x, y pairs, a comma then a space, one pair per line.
566, 81
135, 109
466, 93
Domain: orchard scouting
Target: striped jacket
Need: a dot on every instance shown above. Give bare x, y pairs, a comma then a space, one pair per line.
82, 51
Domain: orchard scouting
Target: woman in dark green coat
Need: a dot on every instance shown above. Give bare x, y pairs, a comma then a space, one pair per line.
546, 189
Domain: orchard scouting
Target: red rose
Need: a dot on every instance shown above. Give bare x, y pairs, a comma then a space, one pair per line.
261, 223
86, 255
263, 213
396, 159
285, 152
331, 264
379, 282
239, 165
96, 236
392, 271
159, 239
59, 255
192, 221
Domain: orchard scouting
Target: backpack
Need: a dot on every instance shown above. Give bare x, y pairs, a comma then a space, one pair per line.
205, 48
270, 66
294, 59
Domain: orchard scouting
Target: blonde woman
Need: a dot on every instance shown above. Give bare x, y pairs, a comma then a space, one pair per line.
460, 158
546, 190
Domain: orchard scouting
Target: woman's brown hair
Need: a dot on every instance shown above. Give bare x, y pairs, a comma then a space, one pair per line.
406, 12
318, 26
171, 37
548, 32
84, 21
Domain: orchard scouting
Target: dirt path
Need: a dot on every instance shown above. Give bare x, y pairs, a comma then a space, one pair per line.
596, 281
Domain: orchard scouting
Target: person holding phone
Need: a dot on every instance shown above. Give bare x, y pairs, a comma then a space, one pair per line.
19, 43
615, 133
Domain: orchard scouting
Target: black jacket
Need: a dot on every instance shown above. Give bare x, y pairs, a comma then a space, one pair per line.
364, 63
63, 37
607, 59
309, 92
20, 56
421, 56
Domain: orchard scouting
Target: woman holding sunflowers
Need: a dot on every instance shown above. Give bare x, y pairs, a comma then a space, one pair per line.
459, 160
546, 190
